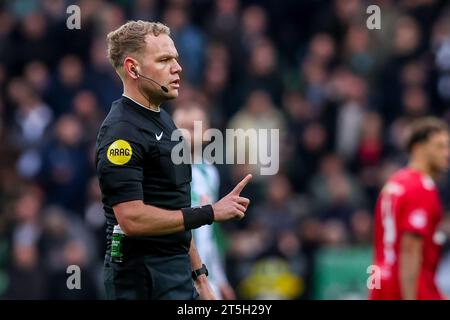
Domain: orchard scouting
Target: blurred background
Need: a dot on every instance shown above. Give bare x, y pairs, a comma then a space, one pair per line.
340, 94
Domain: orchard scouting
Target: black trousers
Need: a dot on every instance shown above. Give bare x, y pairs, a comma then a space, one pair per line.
150, 277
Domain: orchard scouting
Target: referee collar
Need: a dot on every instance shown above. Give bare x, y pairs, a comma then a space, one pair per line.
131, 100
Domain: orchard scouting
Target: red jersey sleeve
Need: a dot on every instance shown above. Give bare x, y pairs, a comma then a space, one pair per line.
417, 212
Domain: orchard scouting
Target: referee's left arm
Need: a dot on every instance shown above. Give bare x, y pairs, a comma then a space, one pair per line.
201, 282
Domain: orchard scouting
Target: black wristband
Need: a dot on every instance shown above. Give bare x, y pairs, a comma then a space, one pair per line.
197, 216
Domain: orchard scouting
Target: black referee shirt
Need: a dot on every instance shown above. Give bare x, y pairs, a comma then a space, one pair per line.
134, 163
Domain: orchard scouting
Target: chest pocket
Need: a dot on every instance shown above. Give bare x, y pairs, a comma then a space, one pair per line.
177, 174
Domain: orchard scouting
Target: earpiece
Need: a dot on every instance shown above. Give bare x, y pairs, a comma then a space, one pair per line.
133, 69
163, 88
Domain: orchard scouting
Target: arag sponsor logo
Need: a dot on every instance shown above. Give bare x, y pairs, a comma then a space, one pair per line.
119, 152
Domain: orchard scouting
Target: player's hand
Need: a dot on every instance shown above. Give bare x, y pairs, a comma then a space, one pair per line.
232, 206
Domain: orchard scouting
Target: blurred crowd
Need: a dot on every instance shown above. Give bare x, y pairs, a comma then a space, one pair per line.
340, 94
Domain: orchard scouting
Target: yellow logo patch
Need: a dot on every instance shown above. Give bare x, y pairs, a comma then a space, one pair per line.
119, 152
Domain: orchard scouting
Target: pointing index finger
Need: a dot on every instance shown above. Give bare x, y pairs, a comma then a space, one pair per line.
238, 189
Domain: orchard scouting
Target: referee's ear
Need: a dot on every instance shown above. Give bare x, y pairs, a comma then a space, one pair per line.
130, 68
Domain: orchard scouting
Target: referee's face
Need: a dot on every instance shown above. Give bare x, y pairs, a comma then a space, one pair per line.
160, 62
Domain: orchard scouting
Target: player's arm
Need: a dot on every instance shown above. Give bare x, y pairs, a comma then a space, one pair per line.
414, 225
410, 264
139, 219
201, 283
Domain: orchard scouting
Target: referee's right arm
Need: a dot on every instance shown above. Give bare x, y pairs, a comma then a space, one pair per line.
121, 178
139, 219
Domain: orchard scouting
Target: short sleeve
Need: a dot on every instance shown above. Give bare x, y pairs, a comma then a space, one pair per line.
417, 213
120, 154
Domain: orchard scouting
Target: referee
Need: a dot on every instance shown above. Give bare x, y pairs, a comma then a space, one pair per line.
150, 253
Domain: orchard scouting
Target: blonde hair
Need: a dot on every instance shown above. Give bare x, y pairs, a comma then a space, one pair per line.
130, 38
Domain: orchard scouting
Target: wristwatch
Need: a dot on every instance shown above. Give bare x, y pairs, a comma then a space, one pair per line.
199, 272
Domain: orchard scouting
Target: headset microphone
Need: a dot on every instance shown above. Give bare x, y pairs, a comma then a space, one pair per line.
163, 88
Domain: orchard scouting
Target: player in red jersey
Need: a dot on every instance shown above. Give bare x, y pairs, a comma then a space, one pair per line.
407, 215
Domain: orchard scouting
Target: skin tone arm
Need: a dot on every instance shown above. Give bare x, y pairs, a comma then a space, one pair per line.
138, 219
410, 263
201, 283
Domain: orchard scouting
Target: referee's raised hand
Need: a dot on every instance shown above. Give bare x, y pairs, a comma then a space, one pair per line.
232, 206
